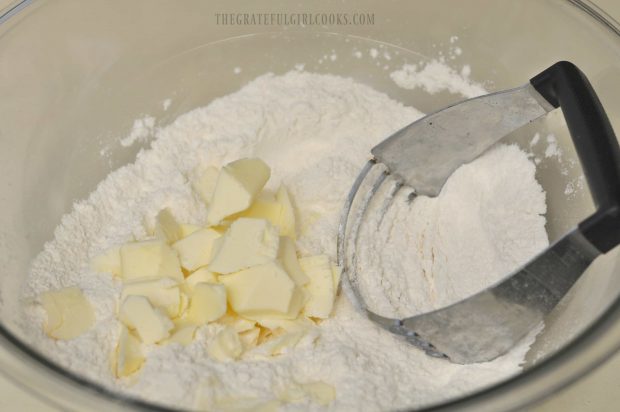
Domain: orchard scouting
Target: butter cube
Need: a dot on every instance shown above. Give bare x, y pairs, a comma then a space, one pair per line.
69, 314
288, 257
207, 304
128, 354
321, 392
321, 291
278, 210
238, 323
149, 259
203, 181
287, 217
298, 300
249, 338
201, 275
183, 306
183, 334
195, 249
162, 293
226, 345
248, 242
166, 227
336, 273
108, 262
282, 343
264, 290
237, 186
151, 325
187, 229
287, 325
265, 207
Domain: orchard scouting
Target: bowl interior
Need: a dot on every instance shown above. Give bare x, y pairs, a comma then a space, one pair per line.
80, 74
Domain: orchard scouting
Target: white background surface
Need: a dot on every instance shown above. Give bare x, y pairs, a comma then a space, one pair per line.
599, 391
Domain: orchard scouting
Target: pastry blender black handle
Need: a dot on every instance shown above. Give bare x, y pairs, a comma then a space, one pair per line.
564, 85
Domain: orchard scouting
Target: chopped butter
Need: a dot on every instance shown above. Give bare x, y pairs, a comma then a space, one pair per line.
321, 291
69, 314
128, 354
226, 345
237, 186
151, 325
166, 227
248, 242
207, 304
260, 291
195, 249
108, 262
149, 258
288, 257
162, 293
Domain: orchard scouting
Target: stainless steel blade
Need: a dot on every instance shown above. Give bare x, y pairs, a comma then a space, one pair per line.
425, 153
490, 323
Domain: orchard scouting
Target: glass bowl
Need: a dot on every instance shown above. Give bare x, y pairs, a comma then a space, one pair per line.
74, 75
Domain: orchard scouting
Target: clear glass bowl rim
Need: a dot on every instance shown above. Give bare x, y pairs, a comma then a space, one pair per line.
534, 384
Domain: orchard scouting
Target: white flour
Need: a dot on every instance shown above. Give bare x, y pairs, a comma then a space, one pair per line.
435, 76
315, 131
485, 223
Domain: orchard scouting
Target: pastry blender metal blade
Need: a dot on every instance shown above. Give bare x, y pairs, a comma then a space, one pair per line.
424, 154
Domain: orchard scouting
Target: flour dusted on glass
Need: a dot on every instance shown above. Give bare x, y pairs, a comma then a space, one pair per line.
315, 131
435, 76
142, 128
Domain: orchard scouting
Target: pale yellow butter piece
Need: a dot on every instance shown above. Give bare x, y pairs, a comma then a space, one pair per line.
265, 207
287, 325
264, 290
200, 275
321, 392
237, 322
69, 314
238, 184
203, 181
183, 305
166, 227
248, 242
207, 304
162, 293
282, 343
183, 334
321, 291
249, 338
288, 257
150, 324
278, 210
336, 273
287, 217
128, 354
149, 259
195, 250
226, 345
108, 262
292, 393
298, 300
187, 229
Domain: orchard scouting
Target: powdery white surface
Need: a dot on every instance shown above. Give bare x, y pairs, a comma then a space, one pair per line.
486, 222
142, 128
315, 131
435, 76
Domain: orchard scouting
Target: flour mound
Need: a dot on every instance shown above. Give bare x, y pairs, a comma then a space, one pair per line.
315, 131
